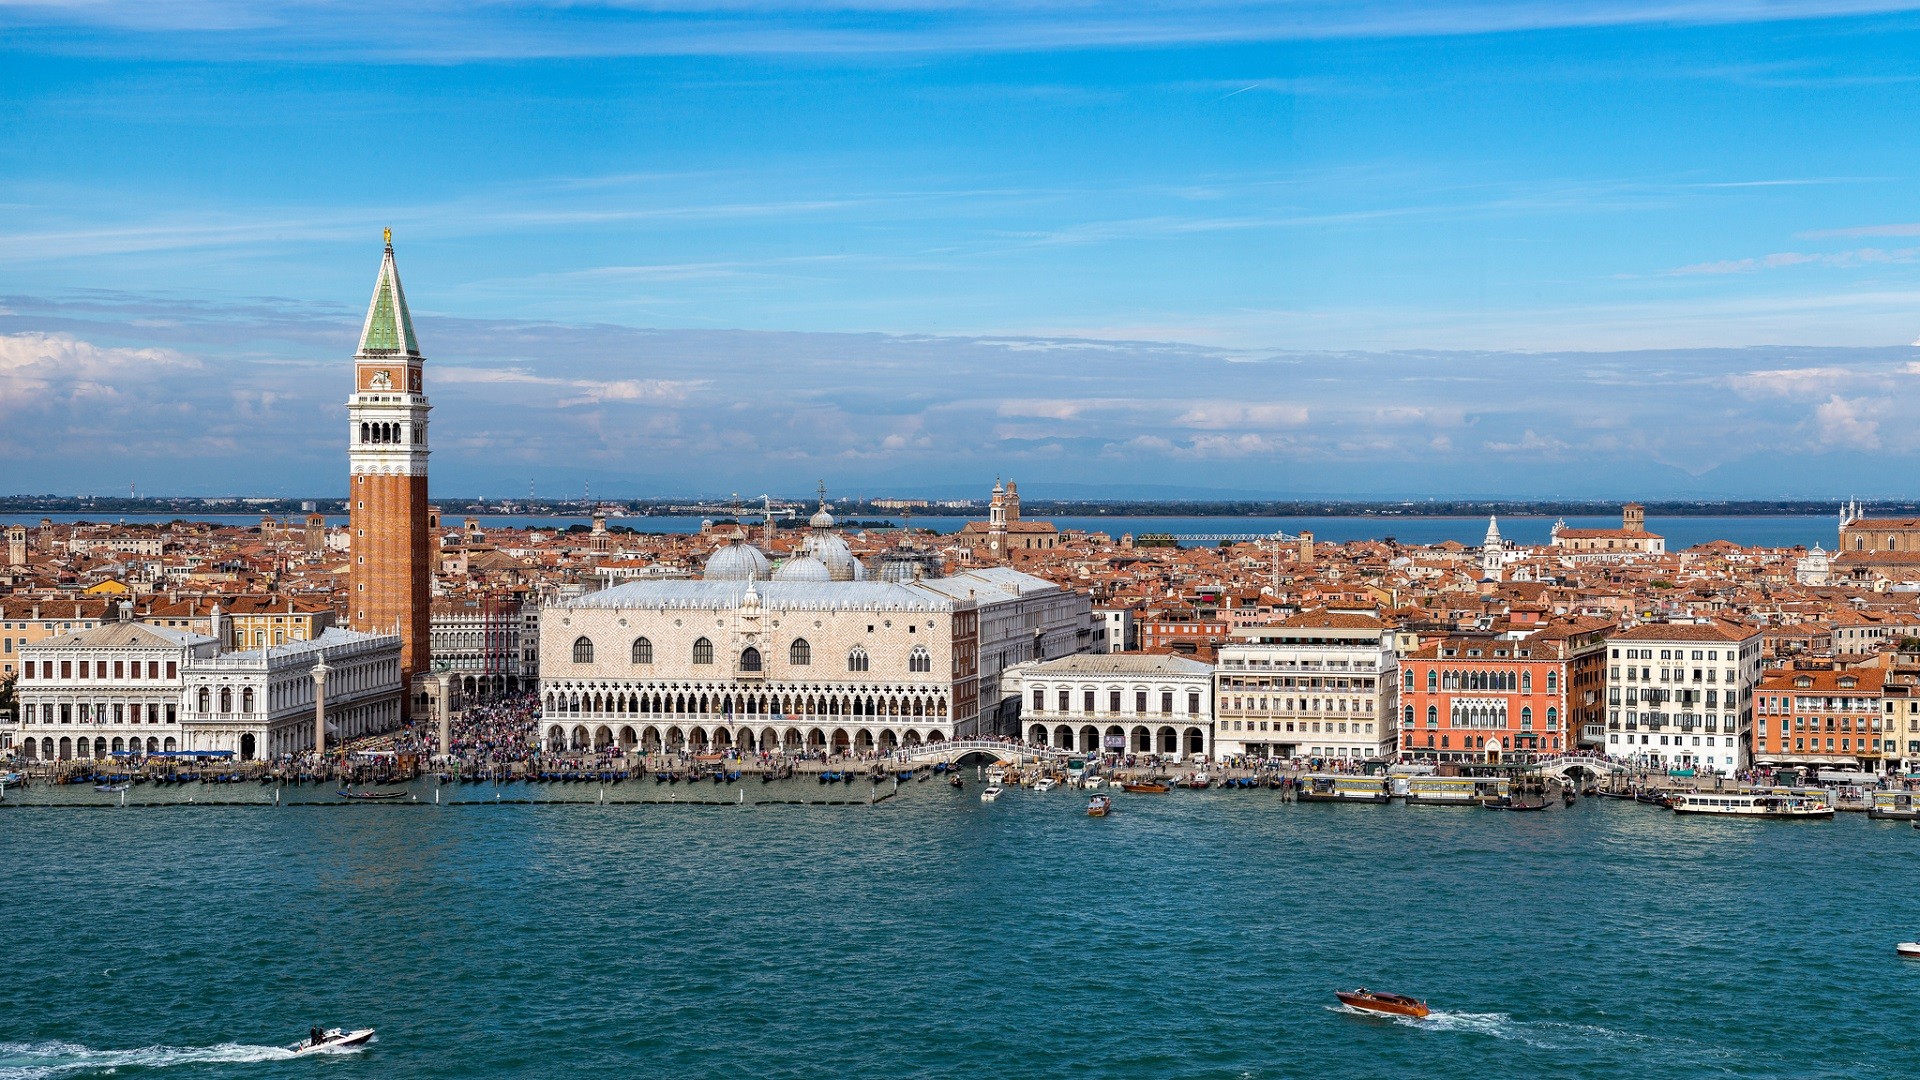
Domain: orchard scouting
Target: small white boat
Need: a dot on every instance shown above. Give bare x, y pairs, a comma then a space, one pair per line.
333, 1039
1093, 783
1909, 949
992, 793
1045, 783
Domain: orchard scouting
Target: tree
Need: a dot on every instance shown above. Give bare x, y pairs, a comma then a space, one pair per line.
9, 700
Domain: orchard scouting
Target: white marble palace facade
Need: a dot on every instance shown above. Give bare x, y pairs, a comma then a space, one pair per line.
790, 665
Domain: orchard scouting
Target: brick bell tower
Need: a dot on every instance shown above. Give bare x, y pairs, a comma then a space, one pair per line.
389, 585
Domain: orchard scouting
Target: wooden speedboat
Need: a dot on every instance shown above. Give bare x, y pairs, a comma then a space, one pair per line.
1908, 949
1146, 787
1387, 1004
1100, 806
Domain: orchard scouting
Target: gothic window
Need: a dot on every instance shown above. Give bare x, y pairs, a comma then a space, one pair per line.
1526, 719
582, 651
800, 654
1526, 682
857, 660
1409, 716
1553, 718
1433, 679
642, 651
703, 651
1553, 681
921, 660
1433, 716
750, 659
1409, 680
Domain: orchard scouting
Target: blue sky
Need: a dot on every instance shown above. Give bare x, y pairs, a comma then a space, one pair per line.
1597, 248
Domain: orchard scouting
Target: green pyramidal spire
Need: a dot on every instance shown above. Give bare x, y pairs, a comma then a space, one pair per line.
389, 327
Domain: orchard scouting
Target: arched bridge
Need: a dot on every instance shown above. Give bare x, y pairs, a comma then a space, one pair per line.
951, 752
1566, 769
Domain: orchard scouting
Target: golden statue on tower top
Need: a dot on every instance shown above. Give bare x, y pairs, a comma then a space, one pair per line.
387, 235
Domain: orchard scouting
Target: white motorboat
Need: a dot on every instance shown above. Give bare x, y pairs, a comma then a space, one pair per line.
1045, 783
992, 793
1908, 949
333, 1040
1093, 783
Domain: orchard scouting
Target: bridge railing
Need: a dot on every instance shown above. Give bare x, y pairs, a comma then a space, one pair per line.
957, 747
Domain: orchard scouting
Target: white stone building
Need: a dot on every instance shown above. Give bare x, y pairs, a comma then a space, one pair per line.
1130, 703
1680, 695
1319, 684
793, 665
1114, 631
135, 689
112, 689
489, 645
260, 702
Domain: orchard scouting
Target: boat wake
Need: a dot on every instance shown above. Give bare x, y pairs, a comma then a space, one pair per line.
35, 1061
1539, 1034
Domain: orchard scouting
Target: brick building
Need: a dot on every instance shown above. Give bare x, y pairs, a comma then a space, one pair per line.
389, 585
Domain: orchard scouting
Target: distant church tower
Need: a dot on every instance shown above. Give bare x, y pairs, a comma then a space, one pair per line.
16, 545
389, 586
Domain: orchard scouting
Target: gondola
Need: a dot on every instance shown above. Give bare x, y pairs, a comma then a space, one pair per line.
370, 796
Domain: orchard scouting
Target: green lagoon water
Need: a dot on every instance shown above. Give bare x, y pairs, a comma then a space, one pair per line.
1191, 935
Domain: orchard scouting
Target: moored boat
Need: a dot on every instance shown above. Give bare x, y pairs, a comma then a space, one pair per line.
1894, 806
1145, 787
371, 796
1750, 804
1387, 1004
1341, 787
1456, 790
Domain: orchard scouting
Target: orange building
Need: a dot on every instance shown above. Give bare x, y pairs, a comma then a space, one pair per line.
1480, 696
1823, 717
389, 590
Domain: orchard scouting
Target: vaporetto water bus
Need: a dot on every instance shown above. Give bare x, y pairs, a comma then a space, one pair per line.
1894, 806
1763, 804
1341, 788
1455, 790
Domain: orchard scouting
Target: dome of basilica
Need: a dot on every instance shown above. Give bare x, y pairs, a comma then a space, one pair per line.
736, 562
803, 568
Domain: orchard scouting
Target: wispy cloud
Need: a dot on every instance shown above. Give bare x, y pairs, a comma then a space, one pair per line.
1899, 229
309, 30
1781, 259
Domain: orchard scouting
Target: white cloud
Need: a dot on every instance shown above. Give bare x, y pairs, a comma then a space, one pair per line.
1212, 415
1841, 422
